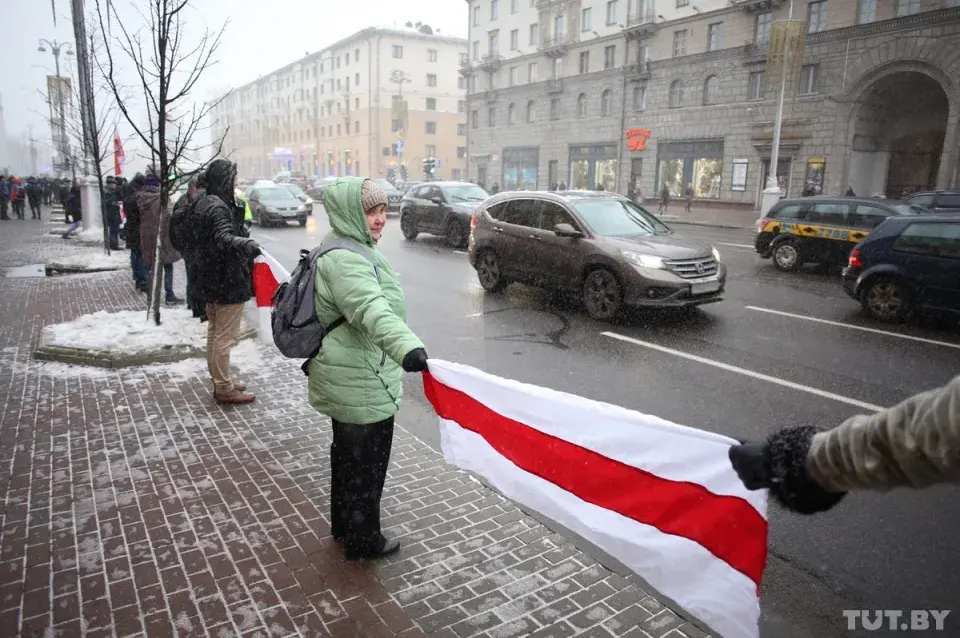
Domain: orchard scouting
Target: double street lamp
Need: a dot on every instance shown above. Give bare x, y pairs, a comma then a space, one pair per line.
56, 47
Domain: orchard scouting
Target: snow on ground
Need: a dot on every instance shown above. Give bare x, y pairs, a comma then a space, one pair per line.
93, 260
128, 332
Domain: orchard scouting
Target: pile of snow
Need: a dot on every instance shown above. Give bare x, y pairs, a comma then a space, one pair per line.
128, 332
91, 261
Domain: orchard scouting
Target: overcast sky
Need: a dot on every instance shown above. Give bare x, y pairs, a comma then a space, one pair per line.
261, 35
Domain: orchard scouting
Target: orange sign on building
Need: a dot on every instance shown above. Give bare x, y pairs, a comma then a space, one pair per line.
637, 139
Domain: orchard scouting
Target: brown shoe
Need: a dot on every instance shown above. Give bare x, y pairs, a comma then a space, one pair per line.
240, 386
235, 398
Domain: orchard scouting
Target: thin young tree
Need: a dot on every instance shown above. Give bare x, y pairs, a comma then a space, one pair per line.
167, 68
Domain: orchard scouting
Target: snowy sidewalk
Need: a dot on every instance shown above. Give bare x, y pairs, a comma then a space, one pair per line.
134, 505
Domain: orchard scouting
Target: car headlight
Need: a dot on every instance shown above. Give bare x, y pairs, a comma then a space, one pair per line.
716, 253
639, 259
308, 201
270, 209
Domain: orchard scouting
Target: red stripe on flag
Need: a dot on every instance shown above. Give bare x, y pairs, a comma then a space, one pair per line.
727, 526
265, 284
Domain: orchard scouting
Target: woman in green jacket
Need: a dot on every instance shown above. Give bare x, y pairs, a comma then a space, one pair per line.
356, 377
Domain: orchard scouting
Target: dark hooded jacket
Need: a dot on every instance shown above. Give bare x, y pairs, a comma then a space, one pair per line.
132, 210
224, 251
148, 203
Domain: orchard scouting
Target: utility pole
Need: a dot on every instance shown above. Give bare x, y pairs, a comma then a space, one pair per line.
85, 91
56, 48
400, 78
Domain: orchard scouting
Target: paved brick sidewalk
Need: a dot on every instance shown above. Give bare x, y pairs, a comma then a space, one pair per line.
702, 216
133, 505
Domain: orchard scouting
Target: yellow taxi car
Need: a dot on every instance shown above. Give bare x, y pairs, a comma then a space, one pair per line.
821, 230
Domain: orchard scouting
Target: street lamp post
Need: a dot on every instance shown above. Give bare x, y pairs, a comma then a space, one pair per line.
56, 47
771, 193
400, 78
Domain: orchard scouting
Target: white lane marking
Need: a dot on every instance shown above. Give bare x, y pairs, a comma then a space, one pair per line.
476, 314
747, 373
460, 252
852, 327
723, 243
266, 236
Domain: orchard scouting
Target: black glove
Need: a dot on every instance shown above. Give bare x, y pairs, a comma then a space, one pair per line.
251, 248
415, 360
780, 465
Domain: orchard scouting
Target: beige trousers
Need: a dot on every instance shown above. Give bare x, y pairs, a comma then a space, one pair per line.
223, 327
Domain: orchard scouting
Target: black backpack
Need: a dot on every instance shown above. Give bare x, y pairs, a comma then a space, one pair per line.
297, 331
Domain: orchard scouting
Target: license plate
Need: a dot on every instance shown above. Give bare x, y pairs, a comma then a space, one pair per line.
704, 287
289, 214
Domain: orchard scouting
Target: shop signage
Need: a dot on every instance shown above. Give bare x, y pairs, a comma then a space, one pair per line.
637, 139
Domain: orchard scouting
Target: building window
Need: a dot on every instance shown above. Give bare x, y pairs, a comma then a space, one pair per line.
609, 56
462, 128
639, 97
682, 3
356, 55
492, 116
461, 106
461, 83
558, 68
560, 26
461, 152
676, 94
398, 51
611, 12
755, 86
431, 104
356, 79
474, 119
715, 36
679, 43
338, 129
431, 79
816, 16
867, 12
493, 43
582, 105
761, 31
710, 89
606, 99
512, 76
585, 22
356, 127
512, 113
514, 6
533, 73
356, 103
494, 9
431, 55
554, 109
531, 112
810, 79
907, 7
432, 128
431, 150
476, 16
476, 49
534, 35
584, 62
514, 39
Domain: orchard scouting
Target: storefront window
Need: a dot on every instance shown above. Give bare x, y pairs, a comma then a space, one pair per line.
579, 174
607, 175
783, 175
593, 165
706, 178
671, 176
813, 182
520, 167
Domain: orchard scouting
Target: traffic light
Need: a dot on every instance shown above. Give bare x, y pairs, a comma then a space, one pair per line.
430, 166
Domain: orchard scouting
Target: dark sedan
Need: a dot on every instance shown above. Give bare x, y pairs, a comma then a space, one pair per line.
394, 196
276, 205
441, 208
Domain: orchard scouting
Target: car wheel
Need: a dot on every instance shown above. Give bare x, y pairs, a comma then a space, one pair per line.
786, 256
489, 272
886, 300
302, 222
456, 234
408, 227
602, 294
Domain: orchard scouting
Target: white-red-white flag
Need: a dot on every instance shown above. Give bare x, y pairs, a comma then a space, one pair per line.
661, 498
268, 274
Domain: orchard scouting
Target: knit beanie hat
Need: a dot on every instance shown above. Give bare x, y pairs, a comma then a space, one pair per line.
371, 195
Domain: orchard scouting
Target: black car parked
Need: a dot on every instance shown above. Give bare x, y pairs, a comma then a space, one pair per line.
936, 201
821, 229
440, 208
907, 265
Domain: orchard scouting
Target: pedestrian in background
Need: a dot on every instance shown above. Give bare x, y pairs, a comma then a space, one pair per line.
18, 197
356, 377
141, 274
182, 236
688, 195
915, 443
224, 270
111, 202
73, 209
154, 231
664, 199
4, 197
34, 195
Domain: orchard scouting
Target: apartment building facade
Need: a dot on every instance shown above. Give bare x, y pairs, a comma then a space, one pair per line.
378, 100
642, 94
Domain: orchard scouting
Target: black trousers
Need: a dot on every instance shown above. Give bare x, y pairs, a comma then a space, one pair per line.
359, 456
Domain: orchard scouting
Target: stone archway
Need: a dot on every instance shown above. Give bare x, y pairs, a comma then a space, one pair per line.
899, 125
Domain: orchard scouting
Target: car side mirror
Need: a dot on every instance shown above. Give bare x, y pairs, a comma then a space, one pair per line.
436, 200
566, 230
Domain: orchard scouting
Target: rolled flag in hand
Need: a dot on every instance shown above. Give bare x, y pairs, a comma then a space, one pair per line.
661, 498
268, 274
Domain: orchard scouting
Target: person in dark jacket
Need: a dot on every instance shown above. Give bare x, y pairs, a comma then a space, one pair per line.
18, 197
111, 201
155, 236
34, 195
132, 232
73, 208
224, 268
181, 227
4, 197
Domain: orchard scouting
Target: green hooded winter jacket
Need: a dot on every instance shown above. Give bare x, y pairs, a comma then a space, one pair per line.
357, 378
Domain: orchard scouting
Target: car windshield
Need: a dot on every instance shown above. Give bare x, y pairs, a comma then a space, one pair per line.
275, 194
910, 209
465, 193
385, 185
296, 190
618, 218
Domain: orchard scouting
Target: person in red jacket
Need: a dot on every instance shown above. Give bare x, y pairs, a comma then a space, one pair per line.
18, 197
